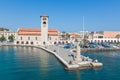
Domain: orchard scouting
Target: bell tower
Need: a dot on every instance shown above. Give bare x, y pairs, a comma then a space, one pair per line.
44, 29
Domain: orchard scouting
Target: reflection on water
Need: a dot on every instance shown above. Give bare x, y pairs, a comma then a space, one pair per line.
28, 63
25, 61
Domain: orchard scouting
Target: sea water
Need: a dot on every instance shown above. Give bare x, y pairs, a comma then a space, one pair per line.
28, 63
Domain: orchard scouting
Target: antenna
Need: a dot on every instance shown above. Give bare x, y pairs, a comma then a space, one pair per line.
83, 27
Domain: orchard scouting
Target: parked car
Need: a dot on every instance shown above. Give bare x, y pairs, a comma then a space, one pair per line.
115, 47
66, 47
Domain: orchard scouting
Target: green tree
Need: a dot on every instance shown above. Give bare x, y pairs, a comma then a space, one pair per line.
67, 36
11, 38
2, 38
2, 29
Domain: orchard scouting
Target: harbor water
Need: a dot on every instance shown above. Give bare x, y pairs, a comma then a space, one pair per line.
28, 63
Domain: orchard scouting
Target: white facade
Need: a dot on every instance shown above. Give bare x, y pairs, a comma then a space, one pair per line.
53, 39
44, 29
100, 37
37, 36
28, 40
6, 34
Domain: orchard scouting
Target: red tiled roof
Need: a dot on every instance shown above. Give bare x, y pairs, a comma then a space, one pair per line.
36, 31
111, 34
73, 35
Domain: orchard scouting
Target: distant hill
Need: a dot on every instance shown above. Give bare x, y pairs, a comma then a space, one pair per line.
3, 29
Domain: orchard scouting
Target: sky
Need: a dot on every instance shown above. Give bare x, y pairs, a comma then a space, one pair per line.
64, 15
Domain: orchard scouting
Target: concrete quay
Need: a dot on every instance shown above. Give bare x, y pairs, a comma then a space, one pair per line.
64, 56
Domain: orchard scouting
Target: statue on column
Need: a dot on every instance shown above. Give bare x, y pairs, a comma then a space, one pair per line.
78, 50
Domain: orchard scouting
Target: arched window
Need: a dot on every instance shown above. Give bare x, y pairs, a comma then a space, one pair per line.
31, 42
54, 42
44, 18
44, 22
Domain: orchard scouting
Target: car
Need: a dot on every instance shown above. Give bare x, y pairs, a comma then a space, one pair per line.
66, 47
116, 47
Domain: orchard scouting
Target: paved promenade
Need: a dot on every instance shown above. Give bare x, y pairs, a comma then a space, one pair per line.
64, 53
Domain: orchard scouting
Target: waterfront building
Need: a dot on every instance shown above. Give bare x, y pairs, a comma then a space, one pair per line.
6, 34
104, 36
67, 37
37, 36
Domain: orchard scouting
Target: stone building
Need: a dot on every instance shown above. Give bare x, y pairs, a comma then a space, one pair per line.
37, 36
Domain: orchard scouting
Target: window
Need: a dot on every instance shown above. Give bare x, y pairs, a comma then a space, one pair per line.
95, 36
21, 38
100, 36
54, 42
31, 42
44, 22
44, 18
50, 38
28, 38
36, 38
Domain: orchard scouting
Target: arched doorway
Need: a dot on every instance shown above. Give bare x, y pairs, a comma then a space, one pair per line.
22, 42
31, 42
17, 42
27, 42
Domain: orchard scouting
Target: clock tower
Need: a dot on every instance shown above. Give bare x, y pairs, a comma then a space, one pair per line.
44, 29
